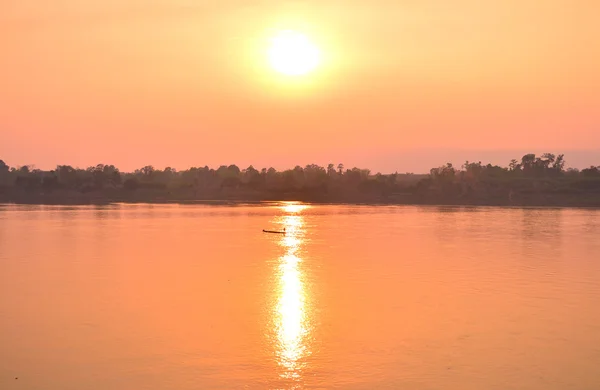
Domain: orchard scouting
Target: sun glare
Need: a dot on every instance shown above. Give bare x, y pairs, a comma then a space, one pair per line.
291, 53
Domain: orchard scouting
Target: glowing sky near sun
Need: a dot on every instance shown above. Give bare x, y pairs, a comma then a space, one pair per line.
182, 83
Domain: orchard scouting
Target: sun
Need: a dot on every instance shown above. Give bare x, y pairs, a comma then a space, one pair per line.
293, 54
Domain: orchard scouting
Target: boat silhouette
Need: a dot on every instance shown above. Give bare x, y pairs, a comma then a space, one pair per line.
274, 231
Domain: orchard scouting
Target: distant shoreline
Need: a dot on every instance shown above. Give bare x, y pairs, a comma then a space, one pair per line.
532, 181
559, 202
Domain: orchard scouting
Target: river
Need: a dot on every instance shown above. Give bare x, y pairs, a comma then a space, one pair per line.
351, 297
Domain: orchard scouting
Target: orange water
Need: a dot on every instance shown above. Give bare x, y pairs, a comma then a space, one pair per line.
139, 297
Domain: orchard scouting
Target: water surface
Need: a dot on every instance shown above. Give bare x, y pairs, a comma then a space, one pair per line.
352, 297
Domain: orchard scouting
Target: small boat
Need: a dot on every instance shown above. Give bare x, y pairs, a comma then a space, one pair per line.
274, 231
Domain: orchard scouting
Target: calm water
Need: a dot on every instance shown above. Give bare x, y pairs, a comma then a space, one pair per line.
140, 297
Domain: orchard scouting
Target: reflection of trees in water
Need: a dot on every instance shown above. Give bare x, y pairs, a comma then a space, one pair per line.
531, 227
447, 220
454, 223
591, 223
456, 209
446, 223
541, 230
102, 213
542, 224
591, 228
3, 210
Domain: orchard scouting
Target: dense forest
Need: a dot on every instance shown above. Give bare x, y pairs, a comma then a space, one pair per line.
531, 181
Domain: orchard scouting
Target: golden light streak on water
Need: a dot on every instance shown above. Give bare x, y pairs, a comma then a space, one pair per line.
291, 322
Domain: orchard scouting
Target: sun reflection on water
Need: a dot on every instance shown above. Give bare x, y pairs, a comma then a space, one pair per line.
294, 207
291, 322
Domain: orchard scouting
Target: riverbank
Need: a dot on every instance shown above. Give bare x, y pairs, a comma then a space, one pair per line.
519, 200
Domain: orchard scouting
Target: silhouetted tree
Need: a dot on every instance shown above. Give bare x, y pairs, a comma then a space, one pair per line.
534, 178
233, 170
528, 162
4, 174
591, 172
559, 163
331, 170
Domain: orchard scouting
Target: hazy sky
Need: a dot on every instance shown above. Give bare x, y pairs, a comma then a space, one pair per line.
403, 84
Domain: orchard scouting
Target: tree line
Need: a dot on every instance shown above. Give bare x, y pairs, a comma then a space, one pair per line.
532, 180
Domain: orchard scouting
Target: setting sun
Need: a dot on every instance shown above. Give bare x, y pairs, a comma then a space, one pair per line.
291, 53
299, 194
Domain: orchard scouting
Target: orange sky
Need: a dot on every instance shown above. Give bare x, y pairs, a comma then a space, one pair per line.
404, 84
